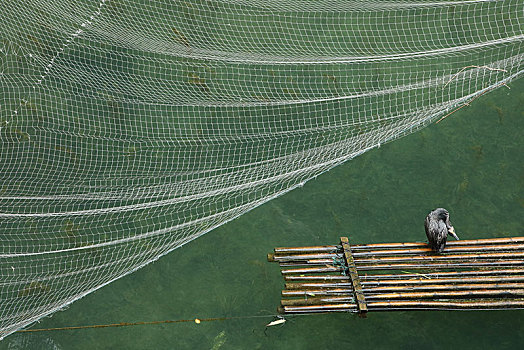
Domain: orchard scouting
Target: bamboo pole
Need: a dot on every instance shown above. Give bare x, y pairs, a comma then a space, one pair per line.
330, 289
440, 274
360, 247
501, 240
505, 240
299, 250
318, 301
451, 265
445, 305
386, 246
440, 287
309, 256
410, 305
422, 281
306, 270
439, 257
310, 278
320, 308
505, 293
295, 290
317, 285
452, 249
317, 292
312, 262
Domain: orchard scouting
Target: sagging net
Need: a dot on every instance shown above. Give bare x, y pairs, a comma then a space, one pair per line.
129, 127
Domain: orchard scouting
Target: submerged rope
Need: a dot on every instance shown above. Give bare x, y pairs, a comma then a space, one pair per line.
127, 324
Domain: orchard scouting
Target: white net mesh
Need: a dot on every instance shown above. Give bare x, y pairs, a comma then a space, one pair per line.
131, 127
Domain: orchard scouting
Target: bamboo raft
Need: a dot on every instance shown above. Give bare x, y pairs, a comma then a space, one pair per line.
468, 275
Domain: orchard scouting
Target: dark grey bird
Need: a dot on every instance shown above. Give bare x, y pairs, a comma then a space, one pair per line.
437, 228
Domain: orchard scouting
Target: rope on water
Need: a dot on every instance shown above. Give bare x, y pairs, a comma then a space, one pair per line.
127, 324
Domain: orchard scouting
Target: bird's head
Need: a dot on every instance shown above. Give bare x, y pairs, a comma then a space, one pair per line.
451, 231
443, 215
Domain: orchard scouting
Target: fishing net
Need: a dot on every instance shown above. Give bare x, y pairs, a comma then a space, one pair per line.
130, 127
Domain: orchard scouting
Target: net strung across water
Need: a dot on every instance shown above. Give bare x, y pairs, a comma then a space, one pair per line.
128, 128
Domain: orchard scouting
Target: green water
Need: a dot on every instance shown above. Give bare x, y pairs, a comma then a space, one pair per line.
471, 163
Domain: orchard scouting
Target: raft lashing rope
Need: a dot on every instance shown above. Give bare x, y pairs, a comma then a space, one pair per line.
468, 275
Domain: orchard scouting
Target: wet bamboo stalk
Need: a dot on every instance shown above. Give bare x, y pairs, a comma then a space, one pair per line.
501, 240
507, 240
439, 257
422, 281
399, 252
318, 301
300, 250
441, 287
312, 262
310, 278
306, 270
308, 290
384, 277
385, 246
446, 305
451, 265
309, 256
380, 265
447, 294
457, 249
317, 285
317, 292
320, 260
410, 305
320, 308
409, 245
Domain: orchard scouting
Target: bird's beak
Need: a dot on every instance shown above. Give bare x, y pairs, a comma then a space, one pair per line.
452, 232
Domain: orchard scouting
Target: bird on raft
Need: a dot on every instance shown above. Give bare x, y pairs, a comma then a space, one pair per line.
437, 229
